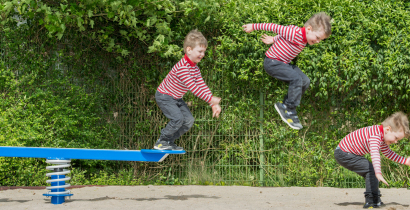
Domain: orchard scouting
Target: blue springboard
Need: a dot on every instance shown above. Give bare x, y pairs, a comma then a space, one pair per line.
148, 155
62, 156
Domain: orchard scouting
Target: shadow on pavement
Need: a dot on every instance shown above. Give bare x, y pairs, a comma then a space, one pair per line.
166, 197
350, 204
362, 203
11, 200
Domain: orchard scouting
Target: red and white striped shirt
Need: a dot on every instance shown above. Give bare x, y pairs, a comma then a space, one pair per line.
369, 140
289, 42
184, 76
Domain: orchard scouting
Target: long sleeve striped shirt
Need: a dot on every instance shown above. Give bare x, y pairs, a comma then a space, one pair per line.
369, 140
289, 42
184, 76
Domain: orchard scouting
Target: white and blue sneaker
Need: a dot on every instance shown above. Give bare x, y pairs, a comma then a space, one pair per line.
175, 147
289, 117
166, 145
162, 145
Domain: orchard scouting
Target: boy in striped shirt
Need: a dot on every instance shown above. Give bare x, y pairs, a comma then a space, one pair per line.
289, 42
185, 76
373, 139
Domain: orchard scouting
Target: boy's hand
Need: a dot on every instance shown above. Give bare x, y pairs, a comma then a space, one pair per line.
407, 161
247, 28
381, 179
215, 100
216, 110
267, 39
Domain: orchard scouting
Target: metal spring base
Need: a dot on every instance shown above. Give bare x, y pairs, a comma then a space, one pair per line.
58, 178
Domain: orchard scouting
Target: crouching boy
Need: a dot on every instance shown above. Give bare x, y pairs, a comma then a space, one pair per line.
373, 139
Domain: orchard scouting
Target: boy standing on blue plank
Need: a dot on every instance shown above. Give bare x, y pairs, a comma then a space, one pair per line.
373, 139
289, 42
185, 76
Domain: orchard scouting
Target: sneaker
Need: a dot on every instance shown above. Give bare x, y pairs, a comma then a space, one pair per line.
369, 203
162, 145
370, 206
289, 117
378, 202
175, 147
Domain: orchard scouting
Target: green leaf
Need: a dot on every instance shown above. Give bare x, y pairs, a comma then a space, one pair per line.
62, 26
63, 7
110, 14
124, 33
59, 35
124, 52
207, 19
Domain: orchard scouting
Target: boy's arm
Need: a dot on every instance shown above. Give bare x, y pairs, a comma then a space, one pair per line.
374, 143
269, 39
215, 100
381, 179
286, 32
387, 152
216, 110
198, 88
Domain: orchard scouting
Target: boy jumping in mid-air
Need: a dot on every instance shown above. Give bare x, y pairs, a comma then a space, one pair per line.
373, 139
184, 76
289, 42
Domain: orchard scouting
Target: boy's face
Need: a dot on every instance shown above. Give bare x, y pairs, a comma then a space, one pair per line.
314, 37
196, 54
391, 137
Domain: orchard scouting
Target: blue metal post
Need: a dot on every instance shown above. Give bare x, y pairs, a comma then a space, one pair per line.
58, 199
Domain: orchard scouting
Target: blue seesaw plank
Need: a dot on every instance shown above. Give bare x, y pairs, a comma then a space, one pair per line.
92, 154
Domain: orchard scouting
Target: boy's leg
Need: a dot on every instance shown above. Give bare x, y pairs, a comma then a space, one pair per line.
285, 72
378, 200
169, 106
361, 166
187, 123
305, 84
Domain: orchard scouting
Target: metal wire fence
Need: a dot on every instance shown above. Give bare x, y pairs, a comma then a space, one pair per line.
243, 147
247, 145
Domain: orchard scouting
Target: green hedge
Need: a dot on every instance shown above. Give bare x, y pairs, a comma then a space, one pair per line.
359, 76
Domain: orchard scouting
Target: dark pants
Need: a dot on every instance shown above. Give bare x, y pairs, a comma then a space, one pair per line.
181, 119
361, 166
298, 81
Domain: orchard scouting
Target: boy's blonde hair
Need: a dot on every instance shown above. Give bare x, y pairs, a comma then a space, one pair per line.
320, 21
398, 122
193, 39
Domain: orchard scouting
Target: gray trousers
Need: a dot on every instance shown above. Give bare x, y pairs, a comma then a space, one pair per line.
298, 81
361, 166
181, 119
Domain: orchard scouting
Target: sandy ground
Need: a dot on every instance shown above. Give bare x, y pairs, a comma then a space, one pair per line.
203, 197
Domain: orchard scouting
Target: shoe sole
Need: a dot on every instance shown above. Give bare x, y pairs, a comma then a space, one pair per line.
284, 120
158, 148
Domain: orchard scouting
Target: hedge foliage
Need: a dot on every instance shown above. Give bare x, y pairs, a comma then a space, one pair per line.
359, 76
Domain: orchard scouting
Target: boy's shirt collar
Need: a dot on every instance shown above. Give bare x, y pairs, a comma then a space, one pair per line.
304, 35
189, 61
381, 130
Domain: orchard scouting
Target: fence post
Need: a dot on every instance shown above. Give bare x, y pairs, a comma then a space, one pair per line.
261, 154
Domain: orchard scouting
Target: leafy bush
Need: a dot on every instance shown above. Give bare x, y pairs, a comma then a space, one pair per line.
115, 53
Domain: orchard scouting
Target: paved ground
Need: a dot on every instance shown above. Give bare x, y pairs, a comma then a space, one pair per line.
203, 197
